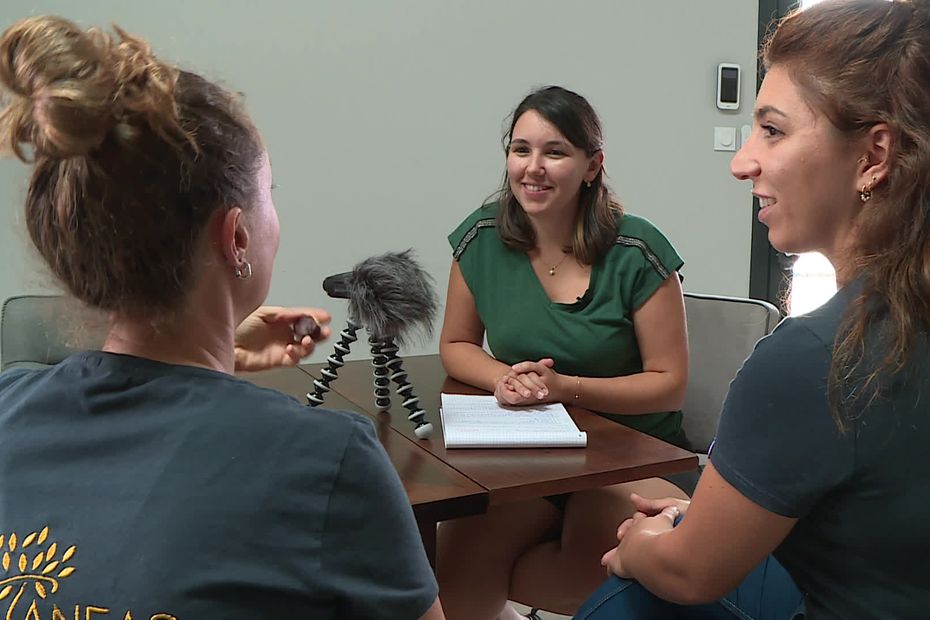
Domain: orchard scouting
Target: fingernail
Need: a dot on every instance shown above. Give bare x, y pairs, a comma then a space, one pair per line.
539, 395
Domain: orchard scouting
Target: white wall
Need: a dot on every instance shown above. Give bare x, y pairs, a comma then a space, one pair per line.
383, 118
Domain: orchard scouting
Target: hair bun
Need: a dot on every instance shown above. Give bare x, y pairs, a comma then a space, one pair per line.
72, 87
64, 87
146, 87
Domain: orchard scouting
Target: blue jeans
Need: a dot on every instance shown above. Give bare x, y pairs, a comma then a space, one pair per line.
767, 593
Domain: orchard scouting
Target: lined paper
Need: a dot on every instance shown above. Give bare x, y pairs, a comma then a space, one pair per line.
482, 422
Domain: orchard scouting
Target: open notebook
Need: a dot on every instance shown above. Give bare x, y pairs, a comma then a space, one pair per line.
481, 422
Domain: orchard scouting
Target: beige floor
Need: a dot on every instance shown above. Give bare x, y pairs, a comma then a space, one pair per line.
545, 615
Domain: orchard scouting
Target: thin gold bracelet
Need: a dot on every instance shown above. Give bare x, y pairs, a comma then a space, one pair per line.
577, 387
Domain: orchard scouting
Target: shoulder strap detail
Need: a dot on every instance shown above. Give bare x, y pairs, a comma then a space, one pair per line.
472, 232
649, 254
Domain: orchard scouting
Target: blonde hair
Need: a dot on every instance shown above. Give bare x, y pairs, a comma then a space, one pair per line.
131, 156
69, 87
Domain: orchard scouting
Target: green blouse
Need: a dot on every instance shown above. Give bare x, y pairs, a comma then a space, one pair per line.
592, 337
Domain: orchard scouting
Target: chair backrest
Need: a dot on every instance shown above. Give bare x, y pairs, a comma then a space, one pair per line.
722, 332
41, 330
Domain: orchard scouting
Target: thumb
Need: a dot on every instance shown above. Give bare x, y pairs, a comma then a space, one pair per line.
548, 362
645, 504
268, 314
642, 504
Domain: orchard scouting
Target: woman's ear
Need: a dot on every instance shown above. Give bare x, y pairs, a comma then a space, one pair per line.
234, 236
874, 165
594, 166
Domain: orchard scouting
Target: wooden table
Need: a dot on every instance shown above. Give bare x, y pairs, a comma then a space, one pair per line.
436, 490
614, 454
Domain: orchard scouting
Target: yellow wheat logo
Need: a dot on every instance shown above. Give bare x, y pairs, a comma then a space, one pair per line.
37, 566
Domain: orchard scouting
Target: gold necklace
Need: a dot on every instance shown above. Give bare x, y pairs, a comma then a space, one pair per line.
559, 264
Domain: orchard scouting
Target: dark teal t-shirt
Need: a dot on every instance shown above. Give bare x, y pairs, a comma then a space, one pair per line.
861, 498
190, 493
593, 337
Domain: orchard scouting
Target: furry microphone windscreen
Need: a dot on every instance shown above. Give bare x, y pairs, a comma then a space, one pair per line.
393, 297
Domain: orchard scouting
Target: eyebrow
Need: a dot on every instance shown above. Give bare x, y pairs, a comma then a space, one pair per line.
549, 143
768, 109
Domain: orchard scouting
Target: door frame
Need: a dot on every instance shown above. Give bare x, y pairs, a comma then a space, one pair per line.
769, 270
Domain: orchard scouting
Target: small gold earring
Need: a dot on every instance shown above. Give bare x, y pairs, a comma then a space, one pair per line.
865, 194
587, 184
244, 272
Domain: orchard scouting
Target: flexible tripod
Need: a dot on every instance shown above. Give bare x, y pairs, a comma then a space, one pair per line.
387, 366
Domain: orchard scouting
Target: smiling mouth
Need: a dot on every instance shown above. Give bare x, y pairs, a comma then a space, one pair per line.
765, 205
530, 187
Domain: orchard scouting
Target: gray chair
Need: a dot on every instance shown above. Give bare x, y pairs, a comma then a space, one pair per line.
722, 332
37, 331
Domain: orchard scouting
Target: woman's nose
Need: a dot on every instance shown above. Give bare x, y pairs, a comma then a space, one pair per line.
536, 165
745, 165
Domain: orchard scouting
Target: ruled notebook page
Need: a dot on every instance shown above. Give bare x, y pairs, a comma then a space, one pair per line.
482, 422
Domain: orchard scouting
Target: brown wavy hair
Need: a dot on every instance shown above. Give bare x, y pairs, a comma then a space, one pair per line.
131, 157
598, 210
864, 62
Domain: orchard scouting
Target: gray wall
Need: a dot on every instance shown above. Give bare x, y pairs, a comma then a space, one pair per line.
383, 118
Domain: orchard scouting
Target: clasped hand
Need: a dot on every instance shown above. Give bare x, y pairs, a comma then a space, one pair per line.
652, 516
528, 383
266, 338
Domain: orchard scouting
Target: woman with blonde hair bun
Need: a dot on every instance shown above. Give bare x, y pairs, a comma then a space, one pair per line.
145, 478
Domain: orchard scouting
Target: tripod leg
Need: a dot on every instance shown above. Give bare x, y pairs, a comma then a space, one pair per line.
382, 381
334, 363
421, 428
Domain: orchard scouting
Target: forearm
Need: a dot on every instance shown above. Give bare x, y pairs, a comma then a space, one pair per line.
645, 392
662, 567
723, 538
471, 364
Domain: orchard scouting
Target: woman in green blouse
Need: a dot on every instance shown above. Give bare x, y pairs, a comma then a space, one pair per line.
581, 304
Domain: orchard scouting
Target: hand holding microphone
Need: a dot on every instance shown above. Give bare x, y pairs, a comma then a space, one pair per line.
273, 336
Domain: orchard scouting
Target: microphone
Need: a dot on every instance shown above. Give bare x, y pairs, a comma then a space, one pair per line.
390, 294
393, 297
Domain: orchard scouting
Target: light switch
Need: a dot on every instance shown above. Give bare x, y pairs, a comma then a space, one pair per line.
724, 138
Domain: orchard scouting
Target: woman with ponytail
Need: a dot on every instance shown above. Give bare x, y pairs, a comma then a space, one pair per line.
820, 452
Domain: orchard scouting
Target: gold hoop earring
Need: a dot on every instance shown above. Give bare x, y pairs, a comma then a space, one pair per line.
245, 271
865, 194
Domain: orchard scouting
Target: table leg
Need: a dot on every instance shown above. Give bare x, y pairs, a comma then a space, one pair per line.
428, 534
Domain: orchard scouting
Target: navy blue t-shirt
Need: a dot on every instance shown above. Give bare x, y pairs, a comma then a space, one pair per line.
861, 498
147, 488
